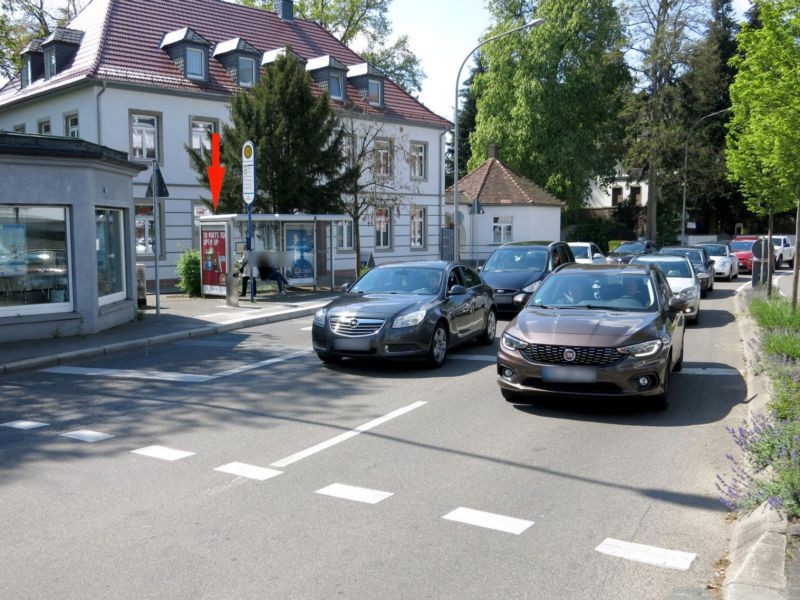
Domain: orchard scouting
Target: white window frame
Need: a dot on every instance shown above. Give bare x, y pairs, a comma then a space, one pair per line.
197, 132
384, 158
240, 70
122, 294
344, 235
338, 77
50, 65
502, 229
202, 74
44, 124
419, 227
419, 160
375, 85
383, 229
72, 125
20, 128
140, 122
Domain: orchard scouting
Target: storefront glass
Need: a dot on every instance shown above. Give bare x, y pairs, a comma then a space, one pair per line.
34, 260
110, 256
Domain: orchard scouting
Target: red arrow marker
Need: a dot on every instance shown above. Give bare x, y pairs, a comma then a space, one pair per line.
216, 173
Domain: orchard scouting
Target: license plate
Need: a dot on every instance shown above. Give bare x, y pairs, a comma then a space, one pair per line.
569, 374
357, 345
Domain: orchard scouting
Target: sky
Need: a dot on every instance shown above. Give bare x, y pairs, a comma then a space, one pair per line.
441, 33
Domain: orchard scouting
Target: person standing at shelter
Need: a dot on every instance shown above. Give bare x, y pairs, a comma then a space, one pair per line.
269, 273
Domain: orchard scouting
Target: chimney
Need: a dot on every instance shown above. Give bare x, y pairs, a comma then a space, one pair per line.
285, 9
494, 151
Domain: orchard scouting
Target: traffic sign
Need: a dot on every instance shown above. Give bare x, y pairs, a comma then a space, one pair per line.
249, 172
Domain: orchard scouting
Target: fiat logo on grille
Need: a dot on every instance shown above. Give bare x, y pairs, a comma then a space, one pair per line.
569, 355
353, 322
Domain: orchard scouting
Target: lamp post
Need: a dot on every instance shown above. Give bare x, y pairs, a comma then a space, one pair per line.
533, 23
686, 165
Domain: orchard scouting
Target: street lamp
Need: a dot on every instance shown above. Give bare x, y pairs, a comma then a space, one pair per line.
533, 23
686, 164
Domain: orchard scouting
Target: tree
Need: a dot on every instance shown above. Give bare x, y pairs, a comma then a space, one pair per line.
362, 20
298, 139
467, 117
551, 96
764, 133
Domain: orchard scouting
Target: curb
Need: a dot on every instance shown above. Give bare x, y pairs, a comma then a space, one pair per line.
758, 542
44, 362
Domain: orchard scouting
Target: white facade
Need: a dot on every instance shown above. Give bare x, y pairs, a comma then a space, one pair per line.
622, 189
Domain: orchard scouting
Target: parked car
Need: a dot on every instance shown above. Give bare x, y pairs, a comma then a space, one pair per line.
415, 310
587, 252
595, 330
682, 279
701, 262
519, 267
742, 248
623, 253
726, 264
784, 250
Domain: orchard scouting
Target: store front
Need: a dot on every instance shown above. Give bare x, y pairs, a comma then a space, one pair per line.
66, 237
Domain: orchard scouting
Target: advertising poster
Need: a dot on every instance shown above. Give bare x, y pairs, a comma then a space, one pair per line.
213, 261
300, 250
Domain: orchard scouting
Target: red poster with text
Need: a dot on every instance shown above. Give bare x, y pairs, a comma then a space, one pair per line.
213, 261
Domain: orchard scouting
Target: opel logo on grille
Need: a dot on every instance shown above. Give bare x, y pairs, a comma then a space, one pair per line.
569, 355
353, 322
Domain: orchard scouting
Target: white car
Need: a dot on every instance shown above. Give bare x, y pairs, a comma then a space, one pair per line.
726, 265
784, 246
682, 279
587, 253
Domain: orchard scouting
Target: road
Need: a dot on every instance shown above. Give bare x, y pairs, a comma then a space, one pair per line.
298, 480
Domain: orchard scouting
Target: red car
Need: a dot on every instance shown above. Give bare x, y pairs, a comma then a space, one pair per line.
742, 248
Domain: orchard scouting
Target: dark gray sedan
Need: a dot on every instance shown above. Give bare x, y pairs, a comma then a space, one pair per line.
415, 310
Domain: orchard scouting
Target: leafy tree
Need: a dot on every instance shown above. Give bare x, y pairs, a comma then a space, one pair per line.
298, 141
467, 116
551, 96
764, 133
398, 63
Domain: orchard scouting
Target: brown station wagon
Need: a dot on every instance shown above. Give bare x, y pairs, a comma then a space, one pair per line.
595, 330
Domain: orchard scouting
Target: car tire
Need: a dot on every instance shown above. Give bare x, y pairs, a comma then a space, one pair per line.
661, 402
437, 351
510, 396
329, 359
489, 331
679, 365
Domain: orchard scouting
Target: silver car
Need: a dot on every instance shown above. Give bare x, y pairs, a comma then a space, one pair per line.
682, 279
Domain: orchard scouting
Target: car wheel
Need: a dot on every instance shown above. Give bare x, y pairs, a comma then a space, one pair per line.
679, 365
437, 351
661, 402
510, 396
487, 337
329, 359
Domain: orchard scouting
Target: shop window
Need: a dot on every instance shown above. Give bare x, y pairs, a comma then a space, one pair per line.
418, 227
34, 260
110, 256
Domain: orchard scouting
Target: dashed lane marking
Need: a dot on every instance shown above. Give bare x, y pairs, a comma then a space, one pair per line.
249, 471
350, 492
651, 555
162, 453
87, 435
24, 424
263, 363
488, 520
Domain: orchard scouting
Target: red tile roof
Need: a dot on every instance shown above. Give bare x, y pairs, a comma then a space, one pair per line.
493, 183
122, 38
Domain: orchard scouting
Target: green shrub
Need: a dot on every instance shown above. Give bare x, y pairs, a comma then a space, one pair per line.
786, 398
783, 344
189, 272
775, 313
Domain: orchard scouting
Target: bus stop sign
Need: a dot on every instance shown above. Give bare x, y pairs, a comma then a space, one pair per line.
249, 172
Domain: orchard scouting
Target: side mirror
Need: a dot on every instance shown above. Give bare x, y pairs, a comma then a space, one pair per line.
598, 256
479, 268
677, 304
711, 262
520, 299
458, 290
345, 286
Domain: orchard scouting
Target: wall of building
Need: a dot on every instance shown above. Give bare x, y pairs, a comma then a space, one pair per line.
55, 107
600, 196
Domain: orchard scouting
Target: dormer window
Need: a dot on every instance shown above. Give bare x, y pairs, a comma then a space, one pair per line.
247, 71
368, 81
240, 61
33, 62
375, 92
329, 74
49, 63
335, 86
189, 50
195, 63
59, 49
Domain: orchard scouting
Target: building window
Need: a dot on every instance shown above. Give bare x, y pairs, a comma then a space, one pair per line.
145, 230
19, 128
636, 195
49, 63
502, 230
616, 196
201, 133
383, 228
144, 137
110, 255
43, 127
71, 126
335, 86
418, 227
383, 158
195, 63
419, 160
344, 235
34, 261
374, 92
247, 71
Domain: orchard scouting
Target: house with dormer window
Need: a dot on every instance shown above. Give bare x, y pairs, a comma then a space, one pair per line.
151, 77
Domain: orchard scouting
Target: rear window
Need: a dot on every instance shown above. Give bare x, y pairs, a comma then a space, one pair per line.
742, 246
580, 251
517, 259
715, 249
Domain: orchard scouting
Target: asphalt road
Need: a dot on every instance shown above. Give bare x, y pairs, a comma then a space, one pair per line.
361, 480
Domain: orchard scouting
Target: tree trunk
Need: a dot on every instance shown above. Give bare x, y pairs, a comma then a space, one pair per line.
794, 260
357, 244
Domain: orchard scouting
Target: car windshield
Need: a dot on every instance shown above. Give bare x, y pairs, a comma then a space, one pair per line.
715, 249
580, 251
670, 268
601, 291
630, 247
742, 246
696, 256
400, 280
517, 259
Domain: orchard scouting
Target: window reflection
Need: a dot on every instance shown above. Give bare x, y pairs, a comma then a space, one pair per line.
110, 257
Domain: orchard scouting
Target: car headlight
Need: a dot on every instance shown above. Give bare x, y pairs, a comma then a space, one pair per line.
688, 293
410, 319
319, 316
643, 349
529, 289
509, 342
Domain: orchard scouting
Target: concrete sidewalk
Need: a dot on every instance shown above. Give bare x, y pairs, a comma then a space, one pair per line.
180, 318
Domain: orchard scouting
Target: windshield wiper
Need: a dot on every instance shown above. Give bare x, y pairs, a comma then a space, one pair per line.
539, 306
605, 307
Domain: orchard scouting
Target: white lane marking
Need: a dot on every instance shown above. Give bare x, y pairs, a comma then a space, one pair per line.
651, 555
130, 374
346, 436
708, 371
24, 424
249, 471
87, 435
350, 492
305, 329
488, 520
478, 357
162, 452
263, 363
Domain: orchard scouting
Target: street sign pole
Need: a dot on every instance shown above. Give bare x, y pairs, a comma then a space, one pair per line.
156, 244
249, 194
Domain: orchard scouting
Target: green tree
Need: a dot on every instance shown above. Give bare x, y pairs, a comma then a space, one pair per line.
763, 149
298, 139
551, 96
467, 117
